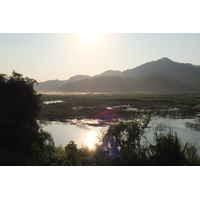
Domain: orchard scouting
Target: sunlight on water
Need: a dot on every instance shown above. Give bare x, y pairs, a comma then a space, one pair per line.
91, 139
50, 102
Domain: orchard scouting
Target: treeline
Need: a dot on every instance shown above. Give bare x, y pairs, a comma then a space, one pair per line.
23, 142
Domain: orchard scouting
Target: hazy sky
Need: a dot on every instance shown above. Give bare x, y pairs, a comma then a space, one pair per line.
61, 55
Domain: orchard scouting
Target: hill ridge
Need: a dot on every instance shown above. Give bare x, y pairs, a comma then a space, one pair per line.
163, 72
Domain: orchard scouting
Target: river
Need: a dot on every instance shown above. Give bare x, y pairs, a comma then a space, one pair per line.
85, 131
188, 130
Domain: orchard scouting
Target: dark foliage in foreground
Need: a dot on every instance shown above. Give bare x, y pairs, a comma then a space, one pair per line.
23, 142
21, 138
125, 144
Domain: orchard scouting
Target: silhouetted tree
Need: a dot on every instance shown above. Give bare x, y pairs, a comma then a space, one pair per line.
20, 134
169, 151
122, 142
71, 151
125, 144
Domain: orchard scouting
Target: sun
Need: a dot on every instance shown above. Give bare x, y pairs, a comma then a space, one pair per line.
89, 38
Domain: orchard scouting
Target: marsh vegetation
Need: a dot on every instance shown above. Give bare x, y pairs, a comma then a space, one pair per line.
81, 106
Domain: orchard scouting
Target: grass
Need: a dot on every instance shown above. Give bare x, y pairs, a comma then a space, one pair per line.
92, 104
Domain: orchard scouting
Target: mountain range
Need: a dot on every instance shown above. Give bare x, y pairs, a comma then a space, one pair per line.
161, 76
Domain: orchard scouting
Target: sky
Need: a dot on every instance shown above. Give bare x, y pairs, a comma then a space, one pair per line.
49, 56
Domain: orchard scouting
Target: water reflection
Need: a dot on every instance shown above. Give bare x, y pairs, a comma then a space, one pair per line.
161, 127
64, 132
193, 125
86, 134
50, 102
91, 139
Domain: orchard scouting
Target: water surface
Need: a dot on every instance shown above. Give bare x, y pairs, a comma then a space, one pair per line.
83, 134
64, 132
50, 102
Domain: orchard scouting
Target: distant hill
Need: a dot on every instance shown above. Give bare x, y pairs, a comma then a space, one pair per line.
154, 84
53, 85
49, 86
77, 78
163, 75
165, 66
110, 73
99, 84
162, 84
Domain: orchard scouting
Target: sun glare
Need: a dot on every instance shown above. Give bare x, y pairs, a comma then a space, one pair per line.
91, 139
89, 38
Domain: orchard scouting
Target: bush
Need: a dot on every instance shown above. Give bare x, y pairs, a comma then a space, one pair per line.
169, 151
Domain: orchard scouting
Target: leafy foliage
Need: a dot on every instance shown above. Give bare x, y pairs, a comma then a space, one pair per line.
123, 141
169, 151
123, 144
20, 134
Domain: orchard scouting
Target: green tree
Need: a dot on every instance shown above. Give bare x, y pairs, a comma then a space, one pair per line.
71, 151
122, 142
169, 151
125, 144
21, 136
